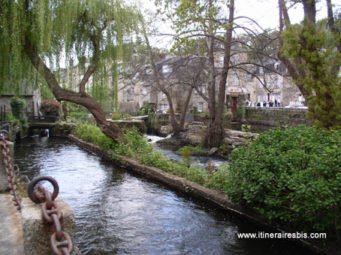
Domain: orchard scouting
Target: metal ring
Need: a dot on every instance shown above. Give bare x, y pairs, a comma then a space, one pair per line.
35, 181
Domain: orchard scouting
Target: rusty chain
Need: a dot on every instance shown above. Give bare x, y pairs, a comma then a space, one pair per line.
9, 168
61, 243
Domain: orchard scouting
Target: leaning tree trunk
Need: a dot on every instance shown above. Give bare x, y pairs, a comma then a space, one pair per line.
81, 98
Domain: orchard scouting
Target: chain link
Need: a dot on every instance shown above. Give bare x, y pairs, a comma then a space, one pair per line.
10, 171
61, 243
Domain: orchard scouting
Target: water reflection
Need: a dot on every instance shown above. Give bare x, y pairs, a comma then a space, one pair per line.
117, 213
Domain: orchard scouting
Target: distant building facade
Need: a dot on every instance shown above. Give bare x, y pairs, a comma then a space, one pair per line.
258, 87
31, 96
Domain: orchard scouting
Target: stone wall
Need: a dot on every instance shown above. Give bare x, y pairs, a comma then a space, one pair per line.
276, 117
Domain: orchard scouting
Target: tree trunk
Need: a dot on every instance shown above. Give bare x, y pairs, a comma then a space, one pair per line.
175, 124
81, 98
185, 108
215, 134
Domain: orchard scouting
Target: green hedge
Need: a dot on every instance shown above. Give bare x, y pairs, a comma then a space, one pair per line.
291, 175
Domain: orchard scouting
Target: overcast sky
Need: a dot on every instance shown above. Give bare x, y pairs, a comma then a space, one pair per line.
265, 12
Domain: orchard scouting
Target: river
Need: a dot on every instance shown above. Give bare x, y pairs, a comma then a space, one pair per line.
119, 213
195, 160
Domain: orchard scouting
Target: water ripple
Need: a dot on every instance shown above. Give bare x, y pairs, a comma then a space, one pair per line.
117, 213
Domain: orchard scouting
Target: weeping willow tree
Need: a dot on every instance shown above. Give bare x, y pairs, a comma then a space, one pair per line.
42, 37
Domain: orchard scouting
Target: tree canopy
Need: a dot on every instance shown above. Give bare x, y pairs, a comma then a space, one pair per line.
312, 53
81, 36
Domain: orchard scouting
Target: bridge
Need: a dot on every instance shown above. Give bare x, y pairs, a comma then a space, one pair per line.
42, 123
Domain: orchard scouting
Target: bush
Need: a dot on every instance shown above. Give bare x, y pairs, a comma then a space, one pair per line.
17, 106
219, 178
147, 109
76, 113
93, 134
291, 175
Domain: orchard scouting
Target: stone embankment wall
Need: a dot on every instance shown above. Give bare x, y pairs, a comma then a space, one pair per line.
276, 117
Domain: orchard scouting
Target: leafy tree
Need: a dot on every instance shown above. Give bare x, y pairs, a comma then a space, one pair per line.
212, 21
311, 52
84, 35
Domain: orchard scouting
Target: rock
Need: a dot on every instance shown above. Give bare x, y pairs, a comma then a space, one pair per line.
63, 128
171, 143
212, 151
193, 135
166, 130
126, 124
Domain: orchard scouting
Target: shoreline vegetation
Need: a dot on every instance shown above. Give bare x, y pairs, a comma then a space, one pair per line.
228, 186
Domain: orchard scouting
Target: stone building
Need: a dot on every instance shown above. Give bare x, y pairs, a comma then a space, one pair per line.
28, 93
258, 85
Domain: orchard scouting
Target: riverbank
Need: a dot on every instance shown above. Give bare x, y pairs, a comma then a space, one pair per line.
189, 188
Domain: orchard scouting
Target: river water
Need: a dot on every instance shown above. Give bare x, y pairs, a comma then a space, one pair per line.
119, 213
196, 160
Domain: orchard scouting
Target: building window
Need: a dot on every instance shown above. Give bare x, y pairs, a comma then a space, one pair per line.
166, 69
163, 108
200, 106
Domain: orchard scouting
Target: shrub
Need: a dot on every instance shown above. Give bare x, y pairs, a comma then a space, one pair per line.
291, 175
93, 134
219, 179
17, 106
147, 109
186, 154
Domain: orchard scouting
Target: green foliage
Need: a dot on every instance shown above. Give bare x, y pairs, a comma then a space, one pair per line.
136, 146
186, 154
65, 34
219, 178
93, 134
12, 119
291, 175
147, 108
17, 106
313, 50
77, 113
246, 128
189, 149
120, 116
